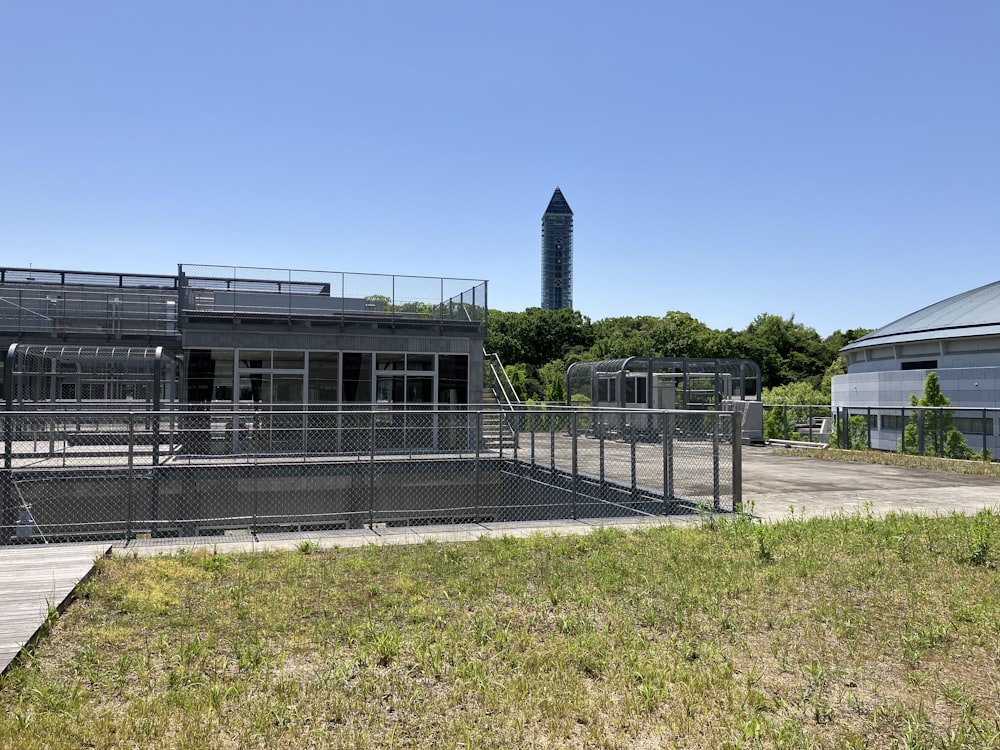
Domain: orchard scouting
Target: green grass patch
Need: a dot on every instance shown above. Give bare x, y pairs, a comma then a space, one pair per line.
845, 632
907, 460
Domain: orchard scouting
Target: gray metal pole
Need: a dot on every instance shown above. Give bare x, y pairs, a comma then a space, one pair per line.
737, 462
668, 462
576, 466
478, 488
715, 462
129, 512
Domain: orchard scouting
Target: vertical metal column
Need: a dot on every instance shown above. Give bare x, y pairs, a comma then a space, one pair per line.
129, 511
737, 462
552, 441
715, 461
531, 429
478, 487
576, 466
7, 510
986, 455
635, 471
371, 473
668, 461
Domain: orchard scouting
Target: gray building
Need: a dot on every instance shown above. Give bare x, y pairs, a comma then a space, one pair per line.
249, 335
557, 254
958, 338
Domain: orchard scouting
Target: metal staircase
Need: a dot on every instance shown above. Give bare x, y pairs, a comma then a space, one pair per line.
499, 397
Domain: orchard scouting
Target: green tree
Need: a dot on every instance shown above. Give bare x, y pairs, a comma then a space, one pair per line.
940, 438
857, 434
537, 336
790, 405
517, 374
787, 352
552, 376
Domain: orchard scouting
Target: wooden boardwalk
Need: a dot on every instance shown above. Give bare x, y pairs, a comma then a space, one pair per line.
33, 579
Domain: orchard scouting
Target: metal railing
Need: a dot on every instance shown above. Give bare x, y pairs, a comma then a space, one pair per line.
947, 432
498, 382
123, 306
178, 474
342, 297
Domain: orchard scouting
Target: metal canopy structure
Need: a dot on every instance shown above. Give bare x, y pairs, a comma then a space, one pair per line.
662, 383
74, 377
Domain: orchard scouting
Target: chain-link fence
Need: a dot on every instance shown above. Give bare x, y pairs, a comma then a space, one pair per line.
942, 431
179, 474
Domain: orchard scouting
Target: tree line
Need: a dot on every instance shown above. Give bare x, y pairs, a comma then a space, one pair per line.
536, 346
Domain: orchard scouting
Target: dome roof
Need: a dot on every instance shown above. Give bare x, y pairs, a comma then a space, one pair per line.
972, 313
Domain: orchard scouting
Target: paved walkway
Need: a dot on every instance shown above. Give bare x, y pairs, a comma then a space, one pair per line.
37, 577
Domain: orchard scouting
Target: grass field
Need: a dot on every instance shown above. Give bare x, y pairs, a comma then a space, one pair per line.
851, 632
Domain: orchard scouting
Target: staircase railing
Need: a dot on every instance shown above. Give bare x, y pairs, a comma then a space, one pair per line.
498, 382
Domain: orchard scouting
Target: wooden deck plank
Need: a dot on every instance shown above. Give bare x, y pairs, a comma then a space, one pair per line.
33, 579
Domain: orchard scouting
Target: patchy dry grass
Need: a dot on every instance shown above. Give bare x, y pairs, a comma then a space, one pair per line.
885, 458
850, 632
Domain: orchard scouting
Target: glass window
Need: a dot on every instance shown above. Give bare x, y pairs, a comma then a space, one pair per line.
419, 390
324, 372
390, 390
256, 388
289, 360
420, 362
390, 362
357, 380
453, 379
254, 360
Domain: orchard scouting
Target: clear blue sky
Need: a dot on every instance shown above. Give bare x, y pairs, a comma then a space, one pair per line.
839, 162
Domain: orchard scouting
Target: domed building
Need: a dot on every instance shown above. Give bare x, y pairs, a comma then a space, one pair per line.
958, 338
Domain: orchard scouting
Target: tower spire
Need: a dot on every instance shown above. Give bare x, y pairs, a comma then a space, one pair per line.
557, 253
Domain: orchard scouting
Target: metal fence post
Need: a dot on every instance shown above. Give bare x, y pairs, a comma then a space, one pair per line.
920, 431
7, 517
940, 430
576, 467
986, 455
600, 449
715, 461
478, 487
635, 469
902, 430
531, 430
131, 477
668, 461
371, 472
552, 440
738, 461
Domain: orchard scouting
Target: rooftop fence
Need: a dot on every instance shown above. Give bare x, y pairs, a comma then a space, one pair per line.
114, 306
943, 431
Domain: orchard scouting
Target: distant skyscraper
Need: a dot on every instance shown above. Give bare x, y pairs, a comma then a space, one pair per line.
557, 254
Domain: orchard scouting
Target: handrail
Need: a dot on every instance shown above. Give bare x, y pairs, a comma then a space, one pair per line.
500, 381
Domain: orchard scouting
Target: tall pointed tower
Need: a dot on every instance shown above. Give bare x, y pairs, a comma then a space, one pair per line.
557, 254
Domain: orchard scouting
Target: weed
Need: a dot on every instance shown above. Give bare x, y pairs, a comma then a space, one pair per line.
980, 546
307, 547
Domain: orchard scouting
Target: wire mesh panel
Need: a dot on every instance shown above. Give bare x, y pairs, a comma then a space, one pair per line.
208, 291
202, 473
941, 431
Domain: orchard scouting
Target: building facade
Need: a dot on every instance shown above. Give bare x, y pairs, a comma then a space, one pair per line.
247, 336
557, 254
958, 338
